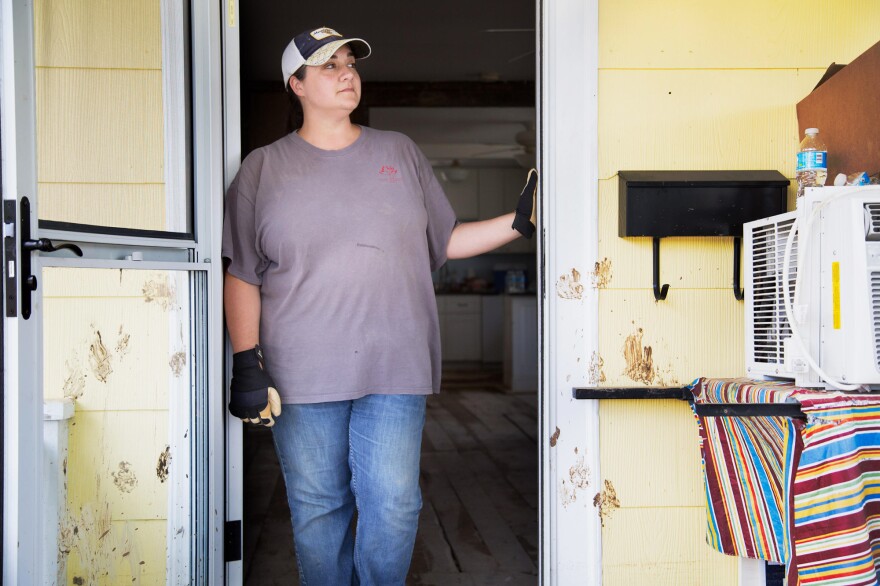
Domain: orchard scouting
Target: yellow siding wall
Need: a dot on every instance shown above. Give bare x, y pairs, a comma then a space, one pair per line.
688, 85
100, 155
109, 336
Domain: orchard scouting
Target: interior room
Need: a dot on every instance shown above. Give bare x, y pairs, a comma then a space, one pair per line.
458, 78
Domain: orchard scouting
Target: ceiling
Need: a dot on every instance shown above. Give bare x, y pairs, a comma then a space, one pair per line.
411, 41
417, 42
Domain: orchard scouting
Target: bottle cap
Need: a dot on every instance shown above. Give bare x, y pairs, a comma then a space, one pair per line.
812, 131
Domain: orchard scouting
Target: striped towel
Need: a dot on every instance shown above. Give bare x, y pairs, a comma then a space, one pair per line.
806, 494
837, 490
746, 469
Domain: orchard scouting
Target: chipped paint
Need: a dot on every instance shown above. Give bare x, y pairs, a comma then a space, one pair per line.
163, 465
597, 374
606, 501
601, 275
99, 358
554, 438
75, 383
639, 359
122, 341
159, 292
578, 480
177, 363
125, 478
569, 286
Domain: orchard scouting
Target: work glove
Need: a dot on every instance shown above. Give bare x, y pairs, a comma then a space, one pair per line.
525, 219
253, 397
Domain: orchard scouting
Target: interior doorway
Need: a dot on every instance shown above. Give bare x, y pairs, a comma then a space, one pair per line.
459, 79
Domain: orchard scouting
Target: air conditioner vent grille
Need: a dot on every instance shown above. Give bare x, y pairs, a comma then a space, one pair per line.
875, 311
872, 217
770, 326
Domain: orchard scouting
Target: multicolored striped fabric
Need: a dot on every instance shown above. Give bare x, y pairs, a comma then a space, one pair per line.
803, 493
746, 473
837, 490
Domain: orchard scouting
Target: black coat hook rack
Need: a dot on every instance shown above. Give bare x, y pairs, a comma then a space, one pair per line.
697, 203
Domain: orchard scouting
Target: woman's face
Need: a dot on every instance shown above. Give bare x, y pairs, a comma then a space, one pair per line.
333, 86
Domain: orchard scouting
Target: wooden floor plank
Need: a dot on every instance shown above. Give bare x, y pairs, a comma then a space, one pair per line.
468, 547
432, 553
493, 529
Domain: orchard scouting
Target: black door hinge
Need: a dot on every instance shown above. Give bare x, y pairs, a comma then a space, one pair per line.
232, 540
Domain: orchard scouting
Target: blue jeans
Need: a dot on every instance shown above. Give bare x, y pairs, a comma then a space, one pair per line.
341, 455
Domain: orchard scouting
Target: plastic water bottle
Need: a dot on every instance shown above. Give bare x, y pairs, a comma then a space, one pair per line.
812, 162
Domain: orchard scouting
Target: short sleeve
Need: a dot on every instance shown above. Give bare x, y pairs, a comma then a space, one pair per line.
240, 246
441, 217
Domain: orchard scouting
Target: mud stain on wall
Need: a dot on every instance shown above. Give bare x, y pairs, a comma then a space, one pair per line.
122, 341
554, 438
159, 292
639, 359
177, 363
125, 478
601, 275
75, 382
162, 466
597, 374
569, 286
578, 480
89, 534
99, 358
606, 501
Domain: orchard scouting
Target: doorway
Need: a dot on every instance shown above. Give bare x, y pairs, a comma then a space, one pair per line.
473, 114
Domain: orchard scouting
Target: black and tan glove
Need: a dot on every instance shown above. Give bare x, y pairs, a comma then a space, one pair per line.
525, 219
253, 397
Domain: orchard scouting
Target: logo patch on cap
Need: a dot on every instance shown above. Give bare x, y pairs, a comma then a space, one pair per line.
322, 33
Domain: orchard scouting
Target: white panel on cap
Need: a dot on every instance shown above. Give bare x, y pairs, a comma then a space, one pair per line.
322, 33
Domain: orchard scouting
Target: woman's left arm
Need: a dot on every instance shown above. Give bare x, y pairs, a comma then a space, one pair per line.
473, 238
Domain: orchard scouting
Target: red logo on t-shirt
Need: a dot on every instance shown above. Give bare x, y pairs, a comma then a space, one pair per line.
389, 173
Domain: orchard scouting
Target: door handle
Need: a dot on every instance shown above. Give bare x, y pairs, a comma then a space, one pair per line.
46, 245
29, 281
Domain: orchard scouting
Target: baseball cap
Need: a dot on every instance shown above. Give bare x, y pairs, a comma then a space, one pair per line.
316, 47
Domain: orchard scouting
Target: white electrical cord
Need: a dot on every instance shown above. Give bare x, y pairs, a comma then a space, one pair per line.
789, 313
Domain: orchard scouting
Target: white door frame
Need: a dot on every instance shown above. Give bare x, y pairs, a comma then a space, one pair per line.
568, 45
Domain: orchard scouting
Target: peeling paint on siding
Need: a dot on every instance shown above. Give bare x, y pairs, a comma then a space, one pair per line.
569, 286
597, 374
606, 501
177, 363
99, 358
601, 275
554, 438
163, 465
125, 478
160, 292
639, 359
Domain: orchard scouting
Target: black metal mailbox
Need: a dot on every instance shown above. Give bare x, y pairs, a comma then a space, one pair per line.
697, 203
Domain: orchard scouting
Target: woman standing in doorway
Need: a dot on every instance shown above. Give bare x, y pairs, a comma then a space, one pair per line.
330, 237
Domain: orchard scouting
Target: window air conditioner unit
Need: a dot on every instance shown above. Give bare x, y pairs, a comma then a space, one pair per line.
813, 291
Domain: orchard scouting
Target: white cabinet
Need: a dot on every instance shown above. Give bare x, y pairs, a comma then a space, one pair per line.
521, 342
460, 327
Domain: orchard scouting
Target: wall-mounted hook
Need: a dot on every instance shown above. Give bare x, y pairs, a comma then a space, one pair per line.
738, 291
659, 292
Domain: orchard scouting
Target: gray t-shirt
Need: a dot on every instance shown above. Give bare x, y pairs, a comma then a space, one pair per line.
342, 245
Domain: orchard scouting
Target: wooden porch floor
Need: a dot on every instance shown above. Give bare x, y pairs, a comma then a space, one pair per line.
479, 521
